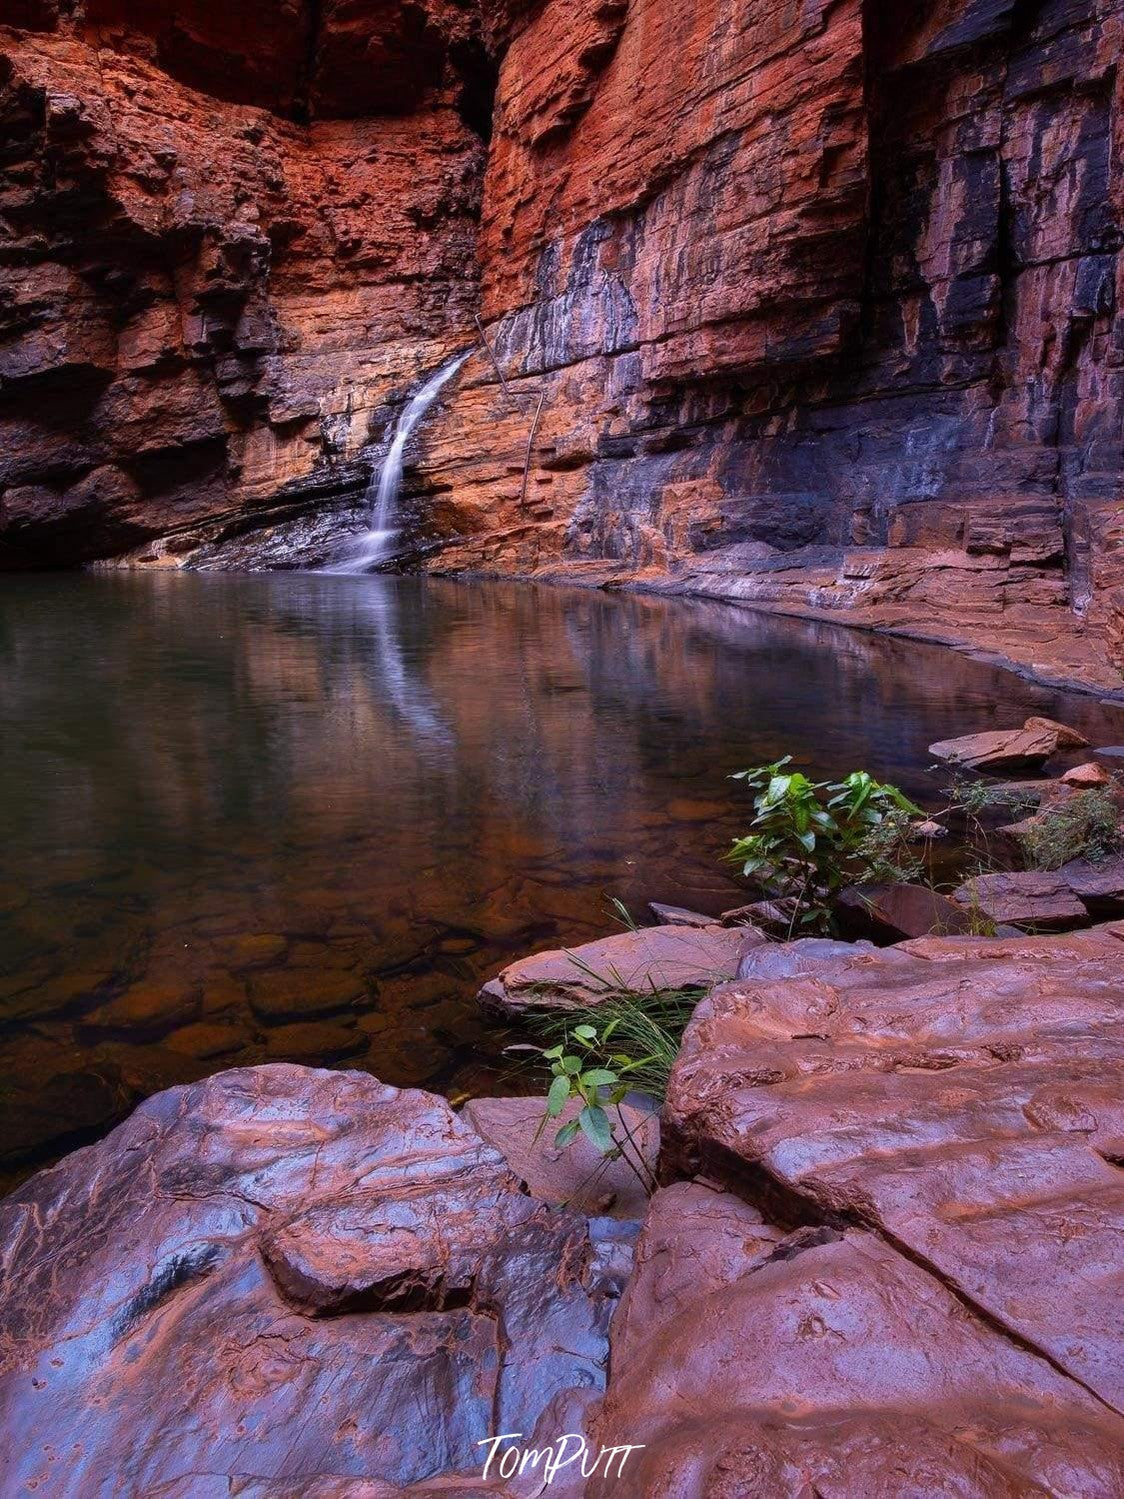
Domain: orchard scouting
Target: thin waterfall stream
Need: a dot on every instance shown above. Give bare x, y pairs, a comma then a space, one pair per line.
376, 545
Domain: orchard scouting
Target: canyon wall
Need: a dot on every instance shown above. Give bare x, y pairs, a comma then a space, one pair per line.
228, 236
822, 302
812, 303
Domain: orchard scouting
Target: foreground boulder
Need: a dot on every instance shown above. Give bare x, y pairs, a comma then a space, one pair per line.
661, 957
960, 1096
1010, 749
285, 1277
750, 1361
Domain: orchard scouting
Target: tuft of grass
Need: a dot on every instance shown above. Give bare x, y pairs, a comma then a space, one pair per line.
640, 1030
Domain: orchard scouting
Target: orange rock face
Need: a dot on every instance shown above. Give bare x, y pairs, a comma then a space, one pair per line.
205, 303
814, 306
824, 301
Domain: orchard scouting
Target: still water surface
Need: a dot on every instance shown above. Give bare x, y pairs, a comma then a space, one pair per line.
302, 818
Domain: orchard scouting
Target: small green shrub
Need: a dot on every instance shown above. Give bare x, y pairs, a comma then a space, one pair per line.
1085, 827
974, 796
599, 1080
638, 1033
809, 839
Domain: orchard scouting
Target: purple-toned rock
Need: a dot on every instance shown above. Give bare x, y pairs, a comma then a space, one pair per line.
1023, 898
290, 1278
964, 1097
1099, 884
661, 957
751, 1362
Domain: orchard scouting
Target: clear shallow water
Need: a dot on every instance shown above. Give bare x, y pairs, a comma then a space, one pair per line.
302, 818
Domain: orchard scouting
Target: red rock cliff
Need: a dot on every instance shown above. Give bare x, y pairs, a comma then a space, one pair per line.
811, 304
227, 236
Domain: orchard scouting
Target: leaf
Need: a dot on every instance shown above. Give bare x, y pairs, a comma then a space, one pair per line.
558, 1097
566, 1135
594, 1124
599, 1078
553, 1053
585, 1033
571, 1065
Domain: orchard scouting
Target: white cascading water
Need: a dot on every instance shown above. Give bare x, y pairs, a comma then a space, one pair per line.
376, 545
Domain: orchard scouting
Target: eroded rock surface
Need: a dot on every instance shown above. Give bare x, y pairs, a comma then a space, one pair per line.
749, 1360
960, 1096
286, 1278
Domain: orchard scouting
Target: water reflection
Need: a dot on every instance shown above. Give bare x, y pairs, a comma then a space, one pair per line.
301, 817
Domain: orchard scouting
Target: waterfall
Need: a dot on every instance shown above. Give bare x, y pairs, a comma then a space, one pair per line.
376, 544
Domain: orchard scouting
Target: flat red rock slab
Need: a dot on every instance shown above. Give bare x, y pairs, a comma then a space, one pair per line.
751, 1363
1024, 898
295, 1276
962, 1096
661, 957
1010, 749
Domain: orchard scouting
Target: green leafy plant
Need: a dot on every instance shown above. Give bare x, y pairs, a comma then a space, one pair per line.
636, 1032
579, 1075
809, 839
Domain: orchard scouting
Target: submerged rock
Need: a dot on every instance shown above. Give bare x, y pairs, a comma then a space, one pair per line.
290, 1276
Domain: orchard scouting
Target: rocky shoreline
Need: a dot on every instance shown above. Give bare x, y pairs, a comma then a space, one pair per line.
883, 1257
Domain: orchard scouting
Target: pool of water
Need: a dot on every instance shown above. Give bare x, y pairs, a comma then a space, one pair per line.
302, 818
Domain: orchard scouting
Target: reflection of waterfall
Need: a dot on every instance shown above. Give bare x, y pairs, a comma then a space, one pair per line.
404, 689
376, 544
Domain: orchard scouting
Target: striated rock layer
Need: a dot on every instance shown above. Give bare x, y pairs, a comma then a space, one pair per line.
228, 238
814, 306
822, 305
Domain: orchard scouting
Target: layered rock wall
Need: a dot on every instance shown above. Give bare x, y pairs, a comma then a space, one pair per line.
206, 297
815, 305
824, 301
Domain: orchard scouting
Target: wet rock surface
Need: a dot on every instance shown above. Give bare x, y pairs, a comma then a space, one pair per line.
753, 1360
288, 1277
885, 1260
960, 1097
